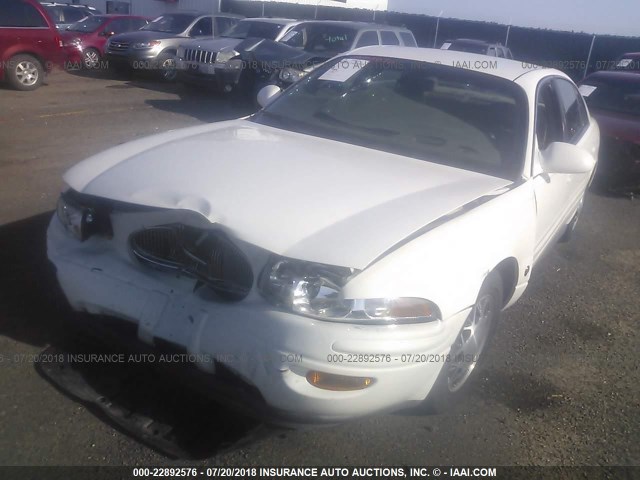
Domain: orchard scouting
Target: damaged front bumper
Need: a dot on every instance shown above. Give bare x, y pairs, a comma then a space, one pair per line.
269, 352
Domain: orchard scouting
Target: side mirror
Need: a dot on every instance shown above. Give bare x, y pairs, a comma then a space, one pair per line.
108, 34
566, 158
268, 94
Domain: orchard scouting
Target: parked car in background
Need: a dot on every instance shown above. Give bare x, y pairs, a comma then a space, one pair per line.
480, 47
154, 46
298, 49
29, 43
213, 62
85, 42
614, 100
348, 249
66, 14
629, 62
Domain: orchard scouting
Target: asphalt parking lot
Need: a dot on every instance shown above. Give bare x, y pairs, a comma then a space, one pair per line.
560, 385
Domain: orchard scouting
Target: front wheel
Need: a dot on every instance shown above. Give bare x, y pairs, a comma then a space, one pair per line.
167, 67
468, 349
25, 72
91, 58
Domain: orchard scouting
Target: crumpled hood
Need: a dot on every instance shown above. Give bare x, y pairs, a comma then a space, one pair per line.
292, 194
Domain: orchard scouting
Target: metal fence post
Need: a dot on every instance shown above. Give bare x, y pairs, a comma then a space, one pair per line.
586, 68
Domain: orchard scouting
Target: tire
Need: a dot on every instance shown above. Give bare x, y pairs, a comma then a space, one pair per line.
465, 354
91, 59
25, 72
167, 67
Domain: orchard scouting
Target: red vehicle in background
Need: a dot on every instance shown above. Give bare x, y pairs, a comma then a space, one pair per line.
613, 98
29, 43
85, 41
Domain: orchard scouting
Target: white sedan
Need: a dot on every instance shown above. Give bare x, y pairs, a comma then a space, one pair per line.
349, 248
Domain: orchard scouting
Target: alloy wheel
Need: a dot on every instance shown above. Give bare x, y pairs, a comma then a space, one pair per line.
27, 73
470, 343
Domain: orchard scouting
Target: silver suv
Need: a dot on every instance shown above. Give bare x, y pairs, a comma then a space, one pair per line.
154, 46
205, 61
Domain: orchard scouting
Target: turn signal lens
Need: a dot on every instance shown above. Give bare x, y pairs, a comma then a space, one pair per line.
338, 383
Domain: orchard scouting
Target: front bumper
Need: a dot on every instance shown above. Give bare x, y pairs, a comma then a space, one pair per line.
218, 76
269, 350
136, 59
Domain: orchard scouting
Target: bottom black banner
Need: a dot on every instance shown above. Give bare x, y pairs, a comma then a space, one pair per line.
349, 472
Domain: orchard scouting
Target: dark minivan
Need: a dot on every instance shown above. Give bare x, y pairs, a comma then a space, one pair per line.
29, 43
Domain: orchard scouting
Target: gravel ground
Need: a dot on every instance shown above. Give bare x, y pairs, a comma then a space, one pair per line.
560, 385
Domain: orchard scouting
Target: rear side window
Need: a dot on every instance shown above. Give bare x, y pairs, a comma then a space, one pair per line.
408, 39
367, 39
224, 23
202, 28
20, 14
576, 119
389, 38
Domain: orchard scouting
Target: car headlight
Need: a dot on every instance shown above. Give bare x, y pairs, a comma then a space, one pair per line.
291, 75
76, 219
146, 45
315, 290
225, 55
74, 42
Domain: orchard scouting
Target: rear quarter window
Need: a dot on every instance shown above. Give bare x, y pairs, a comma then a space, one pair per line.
408, 39
389, 38
20, 14
367, 38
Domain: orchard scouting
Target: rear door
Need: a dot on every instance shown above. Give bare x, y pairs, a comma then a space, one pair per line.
24, 29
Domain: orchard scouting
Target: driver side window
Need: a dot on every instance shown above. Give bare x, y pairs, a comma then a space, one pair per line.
548, 117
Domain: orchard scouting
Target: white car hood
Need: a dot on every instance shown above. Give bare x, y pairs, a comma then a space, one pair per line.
293, 194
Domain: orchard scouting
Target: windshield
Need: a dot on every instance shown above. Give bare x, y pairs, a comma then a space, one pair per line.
628, 63
317, 38
437, 113
248, 29
613, 96
88, 25
62, 15
174, 23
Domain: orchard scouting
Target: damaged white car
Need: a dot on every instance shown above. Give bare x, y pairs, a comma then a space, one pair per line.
346, 250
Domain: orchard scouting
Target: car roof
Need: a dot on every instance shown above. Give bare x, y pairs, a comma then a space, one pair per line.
198, 13
271, 20
498, 67
354, 24
614, 76
118, 15
474, 41
55, 4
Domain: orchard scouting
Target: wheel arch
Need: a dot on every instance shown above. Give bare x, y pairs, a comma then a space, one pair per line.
508, 269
